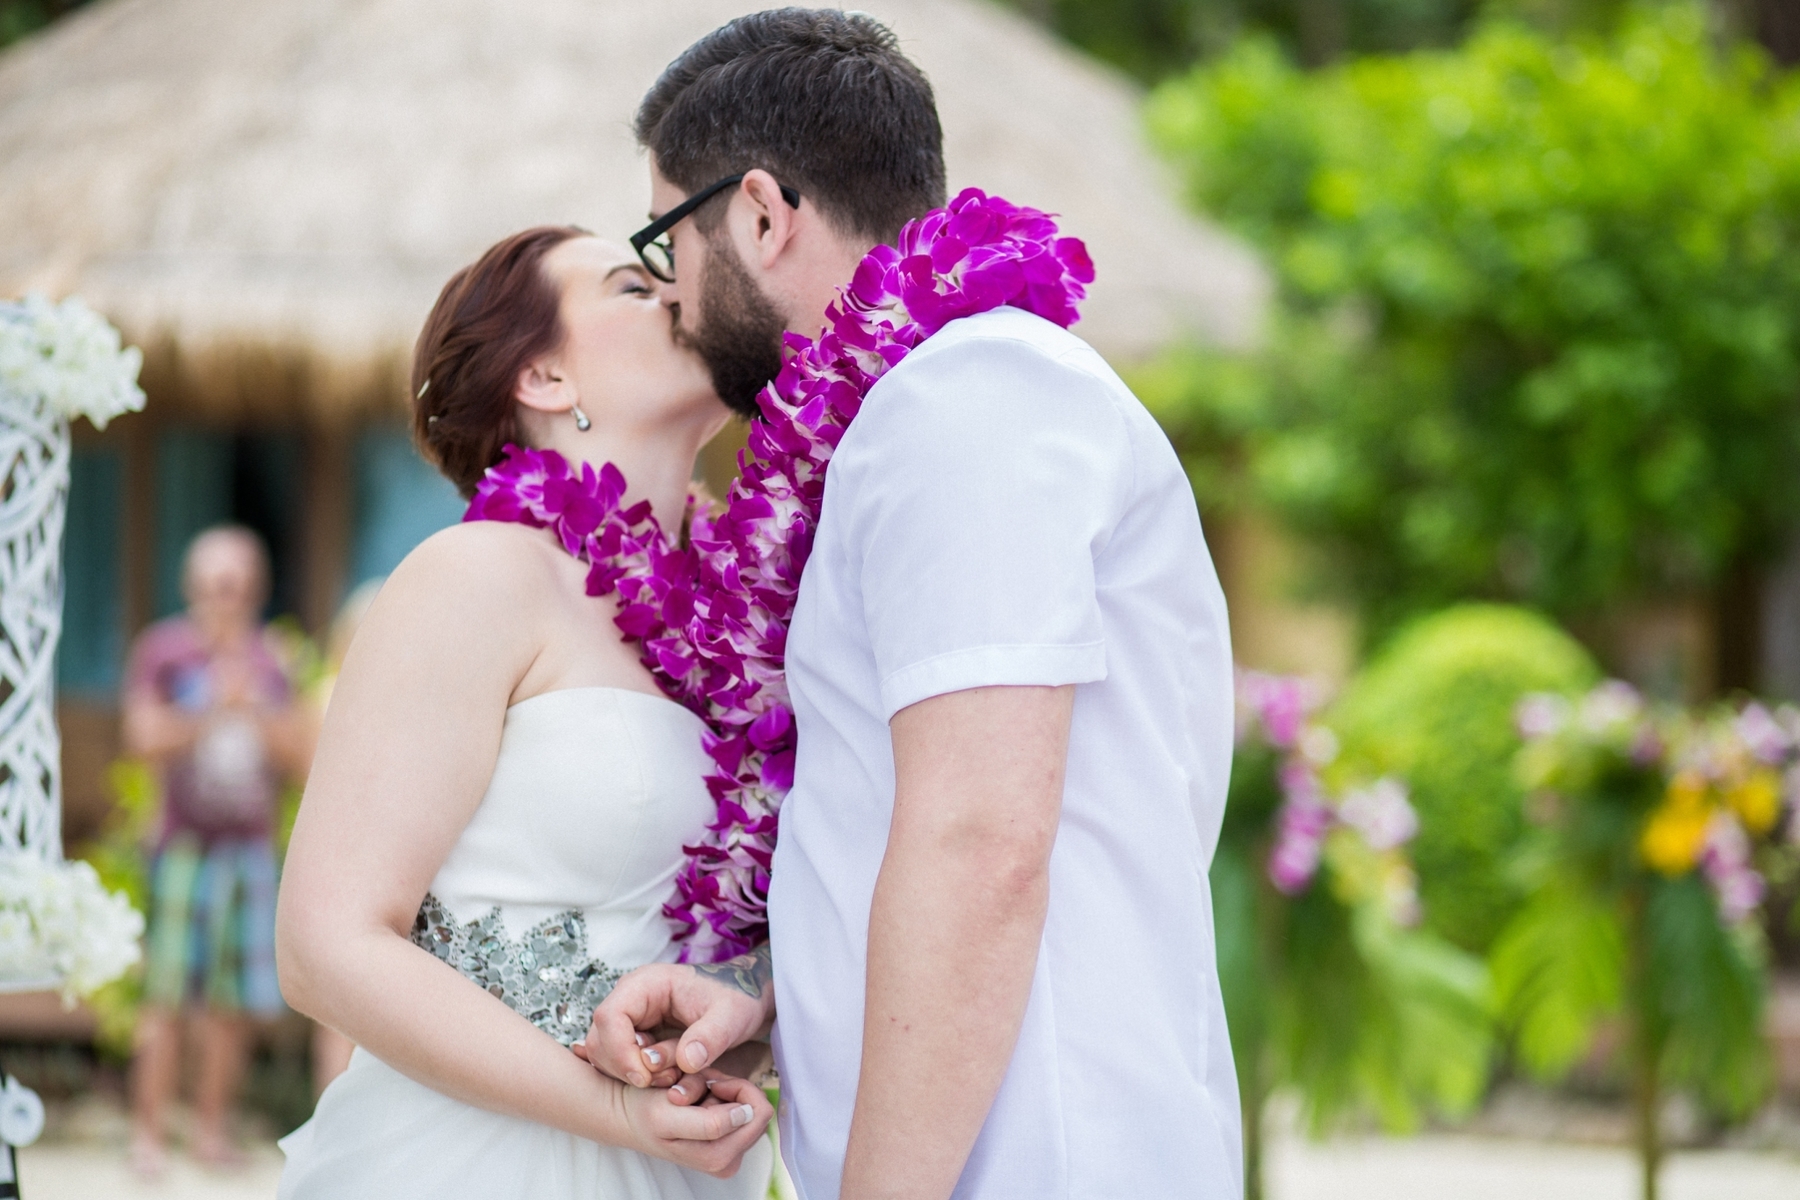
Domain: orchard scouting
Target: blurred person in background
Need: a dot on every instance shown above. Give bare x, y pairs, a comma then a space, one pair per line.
208, 704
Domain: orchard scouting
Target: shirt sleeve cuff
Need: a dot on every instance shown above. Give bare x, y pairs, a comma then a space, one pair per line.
993, 666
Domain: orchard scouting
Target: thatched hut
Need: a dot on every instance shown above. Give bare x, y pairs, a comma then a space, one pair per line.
266, 197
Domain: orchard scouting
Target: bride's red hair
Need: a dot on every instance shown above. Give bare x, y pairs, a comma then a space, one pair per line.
490, 321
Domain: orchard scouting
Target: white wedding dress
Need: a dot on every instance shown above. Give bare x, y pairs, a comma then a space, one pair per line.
555, 888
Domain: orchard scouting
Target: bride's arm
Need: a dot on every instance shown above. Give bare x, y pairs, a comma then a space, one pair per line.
404, 757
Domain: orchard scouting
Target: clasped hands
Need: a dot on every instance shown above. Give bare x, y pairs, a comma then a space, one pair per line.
684, 1039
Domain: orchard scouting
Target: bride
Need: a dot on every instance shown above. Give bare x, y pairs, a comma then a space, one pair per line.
501, 786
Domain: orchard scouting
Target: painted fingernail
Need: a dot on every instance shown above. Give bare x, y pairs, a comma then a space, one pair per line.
654, 1057
696, 1055
741, 1115
679, 1090
642, 1040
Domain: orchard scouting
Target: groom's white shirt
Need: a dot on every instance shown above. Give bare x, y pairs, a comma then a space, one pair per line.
1004, 511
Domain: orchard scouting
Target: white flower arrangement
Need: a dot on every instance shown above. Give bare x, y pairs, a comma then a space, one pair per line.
68, 356
60, 927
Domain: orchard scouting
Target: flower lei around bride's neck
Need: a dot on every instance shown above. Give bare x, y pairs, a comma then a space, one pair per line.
712, 617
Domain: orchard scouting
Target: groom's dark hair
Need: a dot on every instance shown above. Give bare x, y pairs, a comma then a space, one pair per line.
821, 99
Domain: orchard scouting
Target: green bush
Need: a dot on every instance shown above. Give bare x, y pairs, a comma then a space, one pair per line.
1538, 336
1435, 707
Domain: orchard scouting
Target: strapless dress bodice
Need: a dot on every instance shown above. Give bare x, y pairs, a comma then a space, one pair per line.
555, 887
594, 793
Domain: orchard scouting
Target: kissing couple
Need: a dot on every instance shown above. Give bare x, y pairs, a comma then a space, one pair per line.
985, 660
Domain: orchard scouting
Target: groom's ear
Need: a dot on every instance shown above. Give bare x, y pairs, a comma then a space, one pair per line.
775, 223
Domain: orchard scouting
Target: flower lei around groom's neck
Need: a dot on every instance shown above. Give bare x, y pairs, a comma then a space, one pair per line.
712, 617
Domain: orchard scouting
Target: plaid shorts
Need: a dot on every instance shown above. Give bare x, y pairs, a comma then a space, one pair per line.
212, 926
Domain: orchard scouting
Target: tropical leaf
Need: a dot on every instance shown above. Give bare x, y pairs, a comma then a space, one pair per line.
1242, 977
1440, 999
1327, 1010
1558, 970
1707, 986
1378, 1017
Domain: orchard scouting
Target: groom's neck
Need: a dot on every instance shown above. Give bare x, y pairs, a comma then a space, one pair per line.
829, 269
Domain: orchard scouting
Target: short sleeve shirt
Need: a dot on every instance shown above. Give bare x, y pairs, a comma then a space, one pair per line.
170, 662
1004, 511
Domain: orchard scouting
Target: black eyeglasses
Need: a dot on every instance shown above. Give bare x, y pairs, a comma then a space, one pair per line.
652, 242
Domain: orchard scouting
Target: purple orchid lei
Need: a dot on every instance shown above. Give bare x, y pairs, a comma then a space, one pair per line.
712, 617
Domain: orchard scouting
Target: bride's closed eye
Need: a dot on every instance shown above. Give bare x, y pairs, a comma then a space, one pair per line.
628, 279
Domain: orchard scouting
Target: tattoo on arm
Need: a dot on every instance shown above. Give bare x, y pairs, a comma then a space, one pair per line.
749, 973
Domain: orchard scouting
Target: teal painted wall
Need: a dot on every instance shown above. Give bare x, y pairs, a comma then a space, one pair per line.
400, 501
204, 477
92, 650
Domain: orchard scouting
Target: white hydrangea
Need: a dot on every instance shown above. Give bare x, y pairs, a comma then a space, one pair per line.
70, 357
60, 927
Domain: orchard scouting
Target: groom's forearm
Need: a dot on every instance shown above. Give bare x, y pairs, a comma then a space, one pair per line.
954, 928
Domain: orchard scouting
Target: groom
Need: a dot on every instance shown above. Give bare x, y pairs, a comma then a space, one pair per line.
991, 929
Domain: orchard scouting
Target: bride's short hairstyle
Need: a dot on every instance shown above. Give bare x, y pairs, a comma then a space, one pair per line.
490, 321
821, 99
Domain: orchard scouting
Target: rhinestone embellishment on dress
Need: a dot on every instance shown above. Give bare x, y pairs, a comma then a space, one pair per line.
545, 976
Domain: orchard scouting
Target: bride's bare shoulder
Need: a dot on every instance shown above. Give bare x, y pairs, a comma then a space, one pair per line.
477, 564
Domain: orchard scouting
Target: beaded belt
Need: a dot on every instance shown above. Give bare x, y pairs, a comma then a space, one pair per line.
545, 976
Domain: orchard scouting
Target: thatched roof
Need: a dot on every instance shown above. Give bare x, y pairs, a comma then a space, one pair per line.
267, 194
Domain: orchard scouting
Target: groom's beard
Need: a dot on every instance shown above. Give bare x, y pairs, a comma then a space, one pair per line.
740, 332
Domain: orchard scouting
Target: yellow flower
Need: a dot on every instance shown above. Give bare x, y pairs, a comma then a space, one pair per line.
1756, 799
1676, 831
1687, 791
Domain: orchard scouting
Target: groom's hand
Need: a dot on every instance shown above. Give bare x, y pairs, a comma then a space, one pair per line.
721, 1004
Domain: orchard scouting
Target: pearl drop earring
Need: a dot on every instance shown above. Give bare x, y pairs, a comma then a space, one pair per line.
582, 424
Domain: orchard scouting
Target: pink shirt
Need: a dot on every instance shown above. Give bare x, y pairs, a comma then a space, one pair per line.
226, 786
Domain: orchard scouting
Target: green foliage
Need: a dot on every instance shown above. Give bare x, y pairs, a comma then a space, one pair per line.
1564, 966
118, 857
1154, 38
1539, 327
1435, 707
1406, 1028
19, 18
1559, 971
1637, 916
1706, 992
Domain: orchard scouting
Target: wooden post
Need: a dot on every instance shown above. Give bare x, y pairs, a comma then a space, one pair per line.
1778, 28
325, 519
1737, 628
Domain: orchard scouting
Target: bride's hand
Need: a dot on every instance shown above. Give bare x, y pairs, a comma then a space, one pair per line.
712, 1136
748, 1061
721, 1005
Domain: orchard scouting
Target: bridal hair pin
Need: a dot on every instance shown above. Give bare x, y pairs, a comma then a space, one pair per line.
423, 388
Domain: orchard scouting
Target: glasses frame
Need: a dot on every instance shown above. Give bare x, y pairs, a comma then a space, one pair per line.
654, 233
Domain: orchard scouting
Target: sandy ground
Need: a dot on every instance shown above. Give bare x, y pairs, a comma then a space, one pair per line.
1441, 1166
84, 1171
1429, 1167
